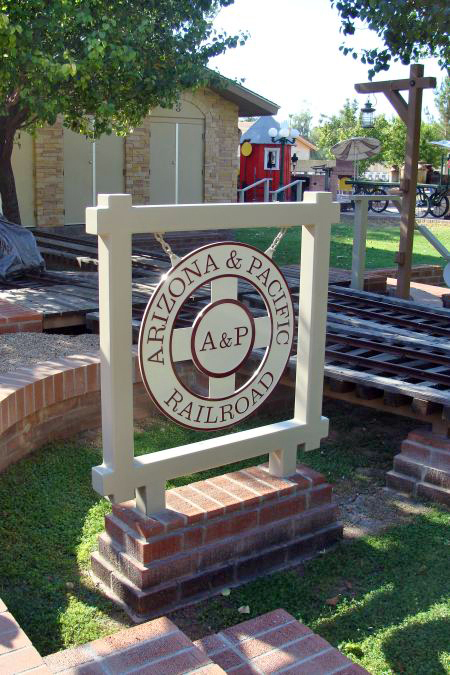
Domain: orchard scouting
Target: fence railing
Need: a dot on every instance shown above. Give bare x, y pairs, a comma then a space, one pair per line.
266, 182
360, 235
283, 188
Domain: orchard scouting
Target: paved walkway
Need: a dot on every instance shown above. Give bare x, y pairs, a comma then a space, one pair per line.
272, 643
424, 294
269, 644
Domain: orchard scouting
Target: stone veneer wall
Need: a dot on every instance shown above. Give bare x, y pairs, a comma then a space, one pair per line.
221, 145
221, 160
137, 163
49, 175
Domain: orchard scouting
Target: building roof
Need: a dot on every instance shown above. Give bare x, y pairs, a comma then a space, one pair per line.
258, 132
249, 103
244, 125
304, 141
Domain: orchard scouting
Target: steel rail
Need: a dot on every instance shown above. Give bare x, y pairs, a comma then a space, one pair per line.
419, 311
407, 323
388, 348
383, 366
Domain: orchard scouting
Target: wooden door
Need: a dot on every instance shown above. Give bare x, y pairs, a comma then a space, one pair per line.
190, 163
78, 172
162, 162
177, 155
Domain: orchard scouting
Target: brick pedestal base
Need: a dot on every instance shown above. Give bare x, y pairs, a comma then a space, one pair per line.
214, 534
422, 469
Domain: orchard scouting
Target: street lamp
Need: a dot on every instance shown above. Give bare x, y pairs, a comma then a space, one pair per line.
367, 112
284, 136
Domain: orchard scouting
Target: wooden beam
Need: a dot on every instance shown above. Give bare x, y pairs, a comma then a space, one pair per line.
399, 104
396, 85
408, 209
410, 114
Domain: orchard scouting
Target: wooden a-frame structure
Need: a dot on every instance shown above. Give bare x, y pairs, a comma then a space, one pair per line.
410, 113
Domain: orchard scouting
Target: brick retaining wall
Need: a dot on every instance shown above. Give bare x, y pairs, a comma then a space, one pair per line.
54, 400
15, 318
422, 274
275, 643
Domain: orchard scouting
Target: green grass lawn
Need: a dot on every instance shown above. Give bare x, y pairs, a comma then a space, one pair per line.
392, 592
393, 608
382, 244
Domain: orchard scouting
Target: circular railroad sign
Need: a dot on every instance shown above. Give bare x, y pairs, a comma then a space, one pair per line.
221, 338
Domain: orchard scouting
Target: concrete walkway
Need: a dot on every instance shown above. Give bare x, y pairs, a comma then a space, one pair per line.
423, 294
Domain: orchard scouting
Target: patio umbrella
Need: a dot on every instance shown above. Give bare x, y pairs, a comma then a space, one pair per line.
356, 148
442, 144
446, 145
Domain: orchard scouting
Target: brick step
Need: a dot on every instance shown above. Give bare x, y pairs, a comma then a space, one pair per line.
422, 469
15, 318
411, 486
424, 472
401, 483
272, 643
434, 456
429, 439
434, 492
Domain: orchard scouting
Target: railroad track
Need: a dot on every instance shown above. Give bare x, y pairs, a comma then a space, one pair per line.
384, 352
390, 311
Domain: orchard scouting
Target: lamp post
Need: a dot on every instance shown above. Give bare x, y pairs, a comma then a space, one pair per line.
284, 136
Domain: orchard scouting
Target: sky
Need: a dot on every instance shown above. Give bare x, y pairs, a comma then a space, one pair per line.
292, 57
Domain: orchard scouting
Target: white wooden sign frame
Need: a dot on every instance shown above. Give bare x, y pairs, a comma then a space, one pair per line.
122, 476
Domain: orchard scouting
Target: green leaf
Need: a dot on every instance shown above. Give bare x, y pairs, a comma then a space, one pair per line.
75, 58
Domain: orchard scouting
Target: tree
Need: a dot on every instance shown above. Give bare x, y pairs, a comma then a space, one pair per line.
346, 124
302, 121
442, 100
390, 133
101, 64
410, 29
394, 150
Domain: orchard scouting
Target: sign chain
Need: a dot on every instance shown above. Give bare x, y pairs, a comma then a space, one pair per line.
274, 245
174, 258
166, 248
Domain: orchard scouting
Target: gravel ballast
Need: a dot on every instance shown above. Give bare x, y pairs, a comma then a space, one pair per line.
30, 349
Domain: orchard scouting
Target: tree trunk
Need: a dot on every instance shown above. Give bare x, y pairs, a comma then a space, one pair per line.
10, 204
